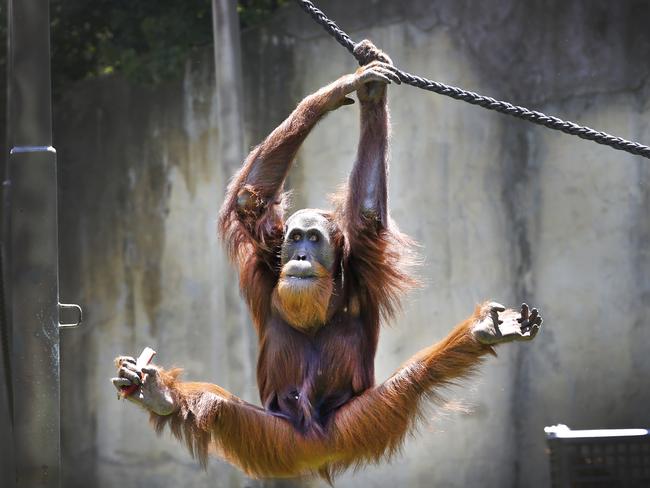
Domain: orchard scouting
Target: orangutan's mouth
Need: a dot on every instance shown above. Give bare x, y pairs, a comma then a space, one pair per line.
299, 269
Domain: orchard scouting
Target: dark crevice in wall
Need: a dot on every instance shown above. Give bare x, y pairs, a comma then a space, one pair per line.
518, 196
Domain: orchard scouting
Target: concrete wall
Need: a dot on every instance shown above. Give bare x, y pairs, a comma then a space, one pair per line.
503, 210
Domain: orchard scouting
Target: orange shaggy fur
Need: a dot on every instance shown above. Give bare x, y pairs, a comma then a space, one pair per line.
368, 428
322, 410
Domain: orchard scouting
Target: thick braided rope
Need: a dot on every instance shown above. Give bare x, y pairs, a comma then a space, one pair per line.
482, 101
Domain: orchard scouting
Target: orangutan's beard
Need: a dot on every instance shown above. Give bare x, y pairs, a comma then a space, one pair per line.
303, 302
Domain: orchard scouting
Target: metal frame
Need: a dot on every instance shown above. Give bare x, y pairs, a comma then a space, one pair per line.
598, 458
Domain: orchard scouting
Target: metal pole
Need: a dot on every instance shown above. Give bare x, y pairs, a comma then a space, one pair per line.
32, 249
34, 316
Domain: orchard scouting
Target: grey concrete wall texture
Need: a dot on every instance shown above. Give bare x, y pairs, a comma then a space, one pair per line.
503, 210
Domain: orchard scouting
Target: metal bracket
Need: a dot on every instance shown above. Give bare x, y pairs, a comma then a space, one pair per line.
79, 313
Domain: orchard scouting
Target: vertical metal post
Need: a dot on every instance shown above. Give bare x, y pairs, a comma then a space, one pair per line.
32, 248
30, 93
34, 316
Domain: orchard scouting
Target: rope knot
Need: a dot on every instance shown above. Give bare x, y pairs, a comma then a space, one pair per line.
366, 52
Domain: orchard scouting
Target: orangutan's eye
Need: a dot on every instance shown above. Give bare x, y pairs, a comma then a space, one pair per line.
296, 236
313, 237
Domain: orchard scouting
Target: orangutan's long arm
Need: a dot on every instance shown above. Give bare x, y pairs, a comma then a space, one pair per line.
265, 169
252, 210
378, 257
367, 195
367, 428
367, 187
373, 425
207, 417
